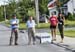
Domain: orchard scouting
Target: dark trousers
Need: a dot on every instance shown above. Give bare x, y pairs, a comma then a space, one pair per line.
15, 33
60, 27
31, 33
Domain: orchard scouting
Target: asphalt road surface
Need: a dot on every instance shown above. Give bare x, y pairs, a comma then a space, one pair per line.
23, 47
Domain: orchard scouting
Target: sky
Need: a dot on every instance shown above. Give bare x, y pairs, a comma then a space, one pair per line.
6, 1
2, 2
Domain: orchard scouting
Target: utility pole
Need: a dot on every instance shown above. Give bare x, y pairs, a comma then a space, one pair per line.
4, 11
37, 11
58, 6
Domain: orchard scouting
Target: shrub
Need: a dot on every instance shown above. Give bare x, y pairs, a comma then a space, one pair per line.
71, 16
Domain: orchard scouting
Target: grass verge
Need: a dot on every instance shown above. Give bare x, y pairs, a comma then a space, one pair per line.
45, 25
69, 33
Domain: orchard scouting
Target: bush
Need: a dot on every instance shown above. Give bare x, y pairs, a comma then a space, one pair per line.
2, 19
70, 16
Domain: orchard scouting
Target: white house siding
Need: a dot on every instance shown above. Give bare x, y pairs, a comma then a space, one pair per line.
53, 10
74, 5
71, 6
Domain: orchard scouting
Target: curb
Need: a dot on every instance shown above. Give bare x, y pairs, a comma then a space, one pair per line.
67, 47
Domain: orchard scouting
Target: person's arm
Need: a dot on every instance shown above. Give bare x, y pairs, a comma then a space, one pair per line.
49, 20
63, 19
17, 22
13, 22
56, 19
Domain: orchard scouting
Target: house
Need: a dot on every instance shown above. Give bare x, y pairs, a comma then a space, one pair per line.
69, 7
52, 7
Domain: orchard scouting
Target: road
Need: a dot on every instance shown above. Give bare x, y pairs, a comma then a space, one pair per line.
23, 47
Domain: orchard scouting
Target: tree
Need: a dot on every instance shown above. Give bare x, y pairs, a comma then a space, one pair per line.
43, 6
60, 3
11, 8
26, 8
1, 13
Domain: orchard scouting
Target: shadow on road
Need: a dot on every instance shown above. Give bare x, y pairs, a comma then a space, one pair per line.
65, 46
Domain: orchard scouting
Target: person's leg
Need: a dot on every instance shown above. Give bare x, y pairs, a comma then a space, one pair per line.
16, 37
29, 36
54, 34
61, 32
11, 38
51, 31
33, 36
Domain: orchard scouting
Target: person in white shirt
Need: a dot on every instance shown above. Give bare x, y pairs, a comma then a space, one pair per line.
14, 22
31, 30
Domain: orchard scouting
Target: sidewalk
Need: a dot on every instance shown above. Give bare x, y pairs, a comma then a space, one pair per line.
68, 42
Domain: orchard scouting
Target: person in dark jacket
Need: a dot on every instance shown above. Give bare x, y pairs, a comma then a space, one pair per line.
61, 20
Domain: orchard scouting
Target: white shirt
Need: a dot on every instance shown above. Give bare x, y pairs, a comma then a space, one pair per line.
31, 24
14, 21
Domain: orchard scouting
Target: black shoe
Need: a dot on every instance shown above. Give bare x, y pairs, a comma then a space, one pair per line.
33, 43
29, 43
51, 41
22, 31
16, 43
54, 39
10, 44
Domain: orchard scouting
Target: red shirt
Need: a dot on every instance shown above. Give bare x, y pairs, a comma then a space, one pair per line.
53, 20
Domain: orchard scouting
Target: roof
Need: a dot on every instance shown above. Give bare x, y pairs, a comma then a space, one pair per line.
51, 4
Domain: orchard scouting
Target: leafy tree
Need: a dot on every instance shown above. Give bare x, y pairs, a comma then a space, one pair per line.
11, 8
43, 6
60, 3
1, 13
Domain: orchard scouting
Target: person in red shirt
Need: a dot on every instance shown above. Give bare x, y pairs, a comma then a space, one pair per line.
53, 23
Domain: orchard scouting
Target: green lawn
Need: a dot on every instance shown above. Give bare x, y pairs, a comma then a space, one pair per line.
45, 25
69, 23
23, 25
69, 33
